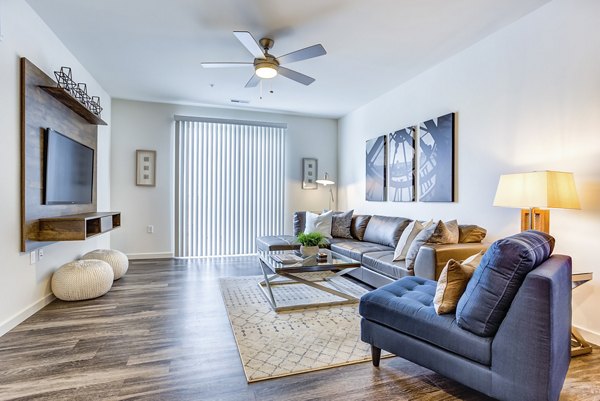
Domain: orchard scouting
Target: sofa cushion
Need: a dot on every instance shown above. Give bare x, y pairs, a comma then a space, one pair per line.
276, 243
406, 306
320, 223
382, 262
385, 230
299, 222
499, 276
453, 281
355, 249
470, 233
445, 233
359, 225
341, 223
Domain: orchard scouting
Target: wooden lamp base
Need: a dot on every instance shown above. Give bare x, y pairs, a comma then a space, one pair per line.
541, 220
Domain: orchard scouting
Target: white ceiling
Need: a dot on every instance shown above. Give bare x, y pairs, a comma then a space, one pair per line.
151, 49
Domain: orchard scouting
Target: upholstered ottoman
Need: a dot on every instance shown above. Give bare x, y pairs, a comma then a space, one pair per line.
82, 279
116, 259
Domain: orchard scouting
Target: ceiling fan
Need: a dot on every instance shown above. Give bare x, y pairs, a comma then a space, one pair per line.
268, 66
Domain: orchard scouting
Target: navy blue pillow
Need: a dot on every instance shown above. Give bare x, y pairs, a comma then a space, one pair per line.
499, 276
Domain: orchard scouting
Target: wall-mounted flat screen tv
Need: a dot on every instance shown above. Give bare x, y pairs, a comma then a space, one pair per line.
69, 170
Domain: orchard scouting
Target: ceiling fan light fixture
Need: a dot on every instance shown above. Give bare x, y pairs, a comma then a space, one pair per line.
266, 71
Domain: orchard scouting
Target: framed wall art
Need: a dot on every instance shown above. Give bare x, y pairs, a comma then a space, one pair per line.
145, 171
436, 159
309, 173
401, 159
376, 169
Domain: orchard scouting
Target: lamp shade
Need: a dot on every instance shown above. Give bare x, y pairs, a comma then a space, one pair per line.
325, 181
540, 189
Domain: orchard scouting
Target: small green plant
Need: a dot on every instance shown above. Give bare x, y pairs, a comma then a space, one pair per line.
311, 239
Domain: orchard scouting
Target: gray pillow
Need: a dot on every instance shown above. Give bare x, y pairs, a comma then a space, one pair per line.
385, 230
299, 222
417, 243
445, 233
359, 225
340, 224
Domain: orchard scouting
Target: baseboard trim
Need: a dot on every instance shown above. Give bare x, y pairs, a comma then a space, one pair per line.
590, 336
20, 317
156, 255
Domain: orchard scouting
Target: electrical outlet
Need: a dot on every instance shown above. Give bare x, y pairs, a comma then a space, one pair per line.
40, 254
32, 257
150, 229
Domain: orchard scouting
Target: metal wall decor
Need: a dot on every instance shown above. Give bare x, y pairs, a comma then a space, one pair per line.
64, 78
309, 173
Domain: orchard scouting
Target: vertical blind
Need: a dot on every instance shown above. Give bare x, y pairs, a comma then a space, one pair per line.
229, 185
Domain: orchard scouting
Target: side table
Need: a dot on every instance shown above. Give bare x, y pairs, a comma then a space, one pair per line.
579, 346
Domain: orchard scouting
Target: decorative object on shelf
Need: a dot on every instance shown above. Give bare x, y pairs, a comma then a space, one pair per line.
310, 243
145, 168
327, 182
309, 173
64, 79
376, 177
535, 190
436, 159
401, 158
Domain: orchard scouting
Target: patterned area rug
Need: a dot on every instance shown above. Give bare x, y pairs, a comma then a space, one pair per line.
286, 343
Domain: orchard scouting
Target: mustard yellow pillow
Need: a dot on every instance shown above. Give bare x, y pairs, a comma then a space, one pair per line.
453, 282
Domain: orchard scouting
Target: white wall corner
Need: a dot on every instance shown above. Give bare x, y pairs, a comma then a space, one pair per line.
14, 321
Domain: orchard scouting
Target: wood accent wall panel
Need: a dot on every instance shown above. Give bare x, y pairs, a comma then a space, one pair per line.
39, 110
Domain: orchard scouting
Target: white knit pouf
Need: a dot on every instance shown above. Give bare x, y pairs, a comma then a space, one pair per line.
116, 259
82, 279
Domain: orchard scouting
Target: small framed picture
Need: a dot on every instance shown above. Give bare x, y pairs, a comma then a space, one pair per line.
145, 171
309, 173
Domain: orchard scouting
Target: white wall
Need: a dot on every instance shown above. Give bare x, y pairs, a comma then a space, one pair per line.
527, 98
25, 288
143, 125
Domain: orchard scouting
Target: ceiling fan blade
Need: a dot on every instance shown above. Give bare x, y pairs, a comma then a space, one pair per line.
253, 81
224, 65
250, 43
296, 76
302, 54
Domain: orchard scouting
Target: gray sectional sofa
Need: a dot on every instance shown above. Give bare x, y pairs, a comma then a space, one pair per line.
373, 241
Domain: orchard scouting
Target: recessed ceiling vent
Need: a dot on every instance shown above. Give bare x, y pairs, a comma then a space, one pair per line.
240, 101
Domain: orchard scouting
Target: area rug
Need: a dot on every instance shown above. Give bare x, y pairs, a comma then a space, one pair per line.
287, 343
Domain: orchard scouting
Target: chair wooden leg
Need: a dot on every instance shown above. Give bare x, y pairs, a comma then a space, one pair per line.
375, 355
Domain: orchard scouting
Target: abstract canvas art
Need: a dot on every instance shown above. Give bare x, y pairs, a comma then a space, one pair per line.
436, 159
376, 169
401, 157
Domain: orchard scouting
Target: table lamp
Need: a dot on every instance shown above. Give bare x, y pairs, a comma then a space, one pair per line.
325, 182
535, 190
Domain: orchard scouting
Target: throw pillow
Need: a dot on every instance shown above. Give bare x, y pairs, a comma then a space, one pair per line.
453, 282
417, 243
359, 225
299, 222
471, 233
408, 236
496, 281
385, 230
445, 233
340, 224
318, 223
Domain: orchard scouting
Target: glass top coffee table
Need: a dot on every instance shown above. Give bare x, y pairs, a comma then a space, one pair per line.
277, 273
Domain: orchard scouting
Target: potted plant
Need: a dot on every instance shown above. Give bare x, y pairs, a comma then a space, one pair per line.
309, 243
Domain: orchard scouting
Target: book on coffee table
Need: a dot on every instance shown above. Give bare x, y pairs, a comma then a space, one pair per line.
287, 258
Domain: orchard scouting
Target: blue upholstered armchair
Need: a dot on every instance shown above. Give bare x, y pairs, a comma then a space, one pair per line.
524, 355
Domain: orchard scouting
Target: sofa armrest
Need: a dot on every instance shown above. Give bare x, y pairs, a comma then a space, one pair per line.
531, 350
432, 258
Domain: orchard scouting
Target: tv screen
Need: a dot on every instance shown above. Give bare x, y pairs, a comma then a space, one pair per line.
69, 170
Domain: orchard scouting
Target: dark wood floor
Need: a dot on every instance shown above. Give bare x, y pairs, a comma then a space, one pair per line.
162, 333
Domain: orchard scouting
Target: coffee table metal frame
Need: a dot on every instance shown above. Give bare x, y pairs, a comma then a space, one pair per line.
273, 270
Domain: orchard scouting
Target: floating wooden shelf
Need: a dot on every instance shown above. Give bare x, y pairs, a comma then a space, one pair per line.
68, 100
76, 227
